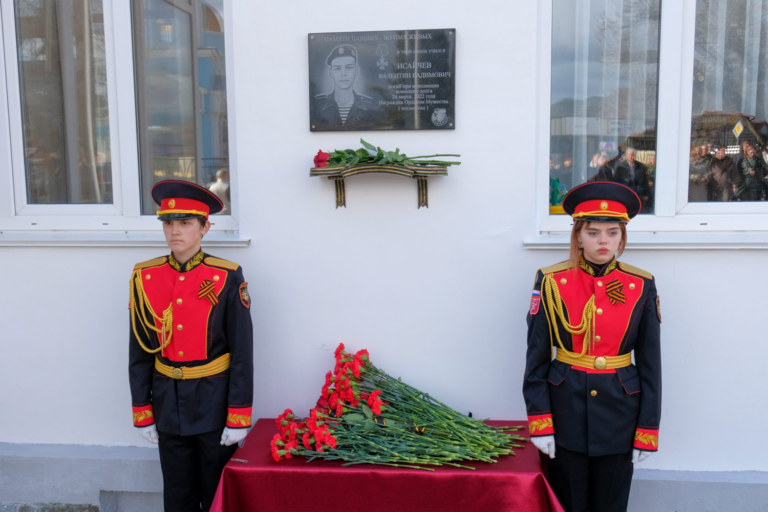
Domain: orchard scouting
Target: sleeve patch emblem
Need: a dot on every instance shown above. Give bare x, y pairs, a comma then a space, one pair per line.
658, 308
245, 297
535, 302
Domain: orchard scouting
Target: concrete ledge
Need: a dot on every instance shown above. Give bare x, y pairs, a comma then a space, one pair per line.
53, 477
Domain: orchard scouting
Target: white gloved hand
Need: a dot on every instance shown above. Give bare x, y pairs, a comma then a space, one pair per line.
231, 436
546, 444
640, 455
150, 433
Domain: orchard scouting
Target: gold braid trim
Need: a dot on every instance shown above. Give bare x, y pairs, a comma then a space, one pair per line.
137, 291
554, 304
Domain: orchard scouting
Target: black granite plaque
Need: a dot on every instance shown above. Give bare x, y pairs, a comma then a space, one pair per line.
392, 80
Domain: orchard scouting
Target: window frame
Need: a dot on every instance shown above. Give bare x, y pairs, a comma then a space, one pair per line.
119, 223
695, 225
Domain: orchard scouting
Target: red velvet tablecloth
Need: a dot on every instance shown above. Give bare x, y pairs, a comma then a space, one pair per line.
515, 482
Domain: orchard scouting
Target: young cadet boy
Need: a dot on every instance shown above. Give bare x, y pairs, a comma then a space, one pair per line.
191, 350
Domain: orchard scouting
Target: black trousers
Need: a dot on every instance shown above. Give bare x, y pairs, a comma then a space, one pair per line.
595, 484
192, 467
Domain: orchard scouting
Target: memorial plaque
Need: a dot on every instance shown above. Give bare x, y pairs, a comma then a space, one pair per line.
391, 80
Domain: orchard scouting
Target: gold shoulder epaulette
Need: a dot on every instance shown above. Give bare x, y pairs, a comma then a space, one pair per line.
634, 270
564, 265
218, 262
151, 263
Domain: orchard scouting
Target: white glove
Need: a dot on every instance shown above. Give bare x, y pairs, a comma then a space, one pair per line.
546, 444
231, 436
150, 433
640, 455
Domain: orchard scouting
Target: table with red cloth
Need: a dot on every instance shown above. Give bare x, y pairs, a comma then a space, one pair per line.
253, 481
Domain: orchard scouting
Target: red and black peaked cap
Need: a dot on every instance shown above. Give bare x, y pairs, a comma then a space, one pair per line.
602, 201
181, 200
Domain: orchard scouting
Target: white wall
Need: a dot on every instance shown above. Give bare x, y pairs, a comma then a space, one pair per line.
437, 295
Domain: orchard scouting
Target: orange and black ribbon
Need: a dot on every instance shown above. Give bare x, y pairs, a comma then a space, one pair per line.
615, 292
208, 291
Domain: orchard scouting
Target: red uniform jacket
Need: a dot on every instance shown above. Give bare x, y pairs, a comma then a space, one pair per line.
210, 312
597, 412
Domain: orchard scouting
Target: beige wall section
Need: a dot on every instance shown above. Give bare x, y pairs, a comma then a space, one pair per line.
437, 295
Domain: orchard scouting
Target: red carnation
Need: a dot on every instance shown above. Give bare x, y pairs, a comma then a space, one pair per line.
334, 399
305, 441
340, 409
321, 159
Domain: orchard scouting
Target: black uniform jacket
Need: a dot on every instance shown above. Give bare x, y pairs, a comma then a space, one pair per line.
207, 310
362, 115
597, 412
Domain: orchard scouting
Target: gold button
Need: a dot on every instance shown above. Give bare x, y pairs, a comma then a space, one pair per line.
599, 311
599, 283
148, 277
563, 281
600, 363
632, 286
178, 301
181, 278
593, 393
179, 327
215, 278
598, 338
181, 354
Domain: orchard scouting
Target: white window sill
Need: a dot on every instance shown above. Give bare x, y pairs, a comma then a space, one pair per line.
109, 239
660, 241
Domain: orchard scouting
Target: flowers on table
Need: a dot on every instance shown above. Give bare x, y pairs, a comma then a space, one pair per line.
365, 416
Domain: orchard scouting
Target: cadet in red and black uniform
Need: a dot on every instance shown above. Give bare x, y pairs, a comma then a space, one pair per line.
191, 350
590, 408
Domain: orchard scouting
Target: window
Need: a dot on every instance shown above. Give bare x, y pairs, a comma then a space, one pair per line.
730, 102
99, 110
674, 81
180, 64
605, 68
63, 83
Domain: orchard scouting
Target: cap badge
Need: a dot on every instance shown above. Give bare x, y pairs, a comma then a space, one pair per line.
604, 205
171, 203
341, 51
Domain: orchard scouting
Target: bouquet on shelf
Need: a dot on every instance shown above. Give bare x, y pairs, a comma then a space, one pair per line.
369, 154
365, 416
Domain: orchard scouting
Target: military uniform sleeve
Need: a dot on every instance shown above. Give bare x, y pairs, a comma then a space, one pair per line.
239, 332
648, 362
537, 360
140, 369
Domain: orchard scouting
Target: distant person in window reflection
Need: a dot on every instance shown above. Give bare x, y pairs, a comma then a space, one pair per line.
594, 163
633, 174
221, 188
344, 108
564, 173
698, 174
751, 171
721, 170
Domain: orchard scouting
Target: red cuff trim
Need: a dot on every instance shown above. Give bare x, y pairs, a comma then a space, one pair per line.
646, 439
541, 425
239, 417
143, 416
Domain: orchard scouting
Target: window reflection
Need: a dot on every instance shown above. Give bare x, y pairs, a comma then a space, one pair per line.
603, 96
180, 62
63, 83
728, 127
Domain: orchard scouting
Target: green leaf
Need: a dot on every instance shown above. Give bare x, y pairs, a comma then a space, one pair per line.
383, 161
367, 411
367, 146
354, 160
362, 153
369, 424
392, 157
353, 417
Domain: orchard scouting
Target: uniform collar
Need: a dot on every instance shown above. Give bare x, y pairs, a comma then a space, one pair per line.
596, 270
186, 267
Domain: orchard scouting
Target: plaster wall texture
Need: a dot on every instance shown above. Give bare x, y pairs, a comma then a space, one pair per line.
437, 295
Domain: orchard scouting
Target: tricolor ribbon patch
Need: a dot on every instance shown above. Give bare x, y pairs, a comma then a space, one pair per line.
535, 302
